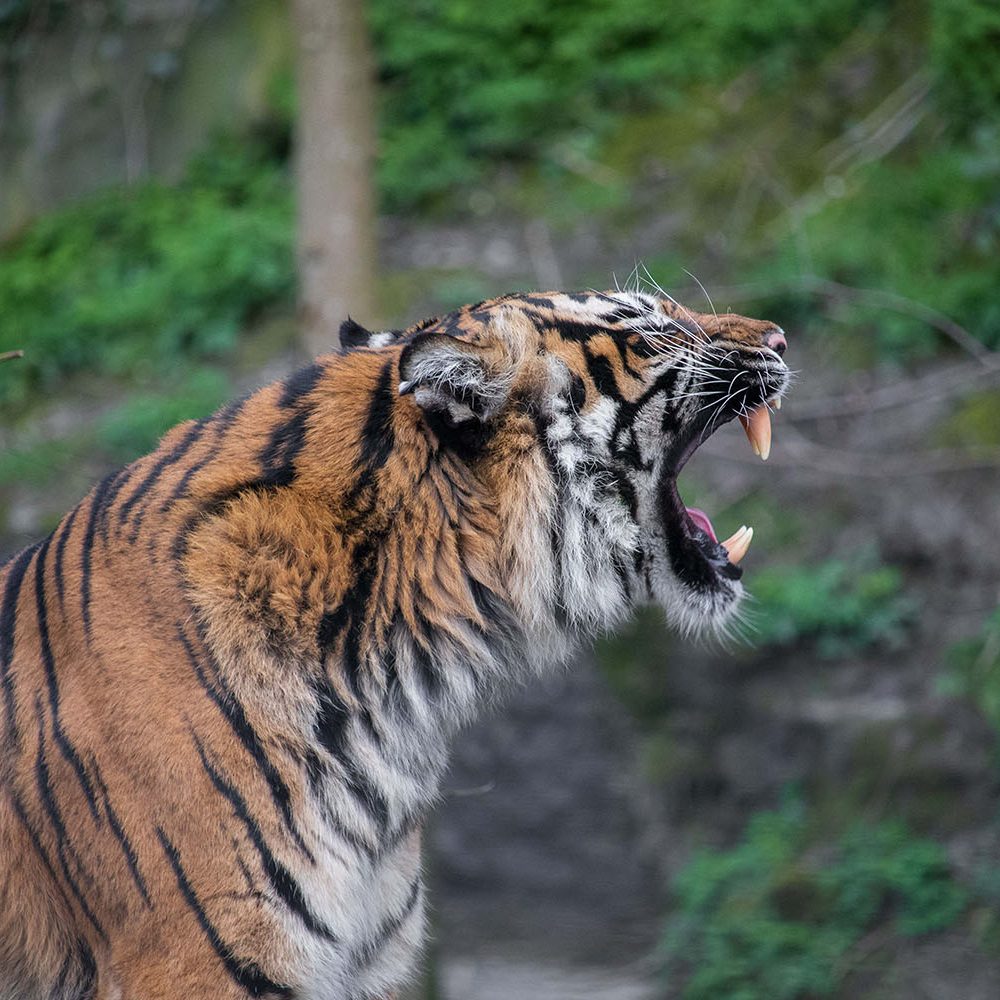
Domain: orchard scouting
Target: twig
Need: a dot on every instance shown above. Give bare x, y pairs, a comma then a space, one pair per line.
905, 392
911, 307
800, 452
10, 355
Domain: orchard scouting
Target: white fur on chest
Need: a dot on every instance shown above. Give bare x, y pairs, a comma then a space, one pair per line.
377, 909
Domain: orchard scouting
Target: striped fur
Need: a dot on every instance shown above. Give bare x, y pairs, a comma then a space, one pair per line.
230, 676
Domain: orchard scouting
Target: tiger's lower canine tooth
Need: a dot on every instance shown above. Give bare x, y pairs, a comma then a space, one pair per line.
736, 546
758, 429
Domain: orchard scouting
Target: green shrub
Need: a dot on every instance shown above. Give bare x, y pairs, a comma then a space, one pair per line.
974, 669
124, 433
465, 83
133, 281
842, 605
965, 38
925, 228
777, 917
135, 427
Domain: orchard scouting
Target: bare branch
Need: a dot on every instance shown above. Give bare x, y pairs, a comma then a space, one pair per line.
955, 380
800, 452
10, 355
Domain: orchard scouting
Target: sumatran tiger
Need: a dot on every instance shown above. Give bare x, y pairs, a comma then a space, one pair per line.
230, 676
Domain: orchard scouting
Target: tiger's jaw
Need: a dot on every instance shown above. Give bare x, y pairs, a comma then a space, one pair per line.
693, 575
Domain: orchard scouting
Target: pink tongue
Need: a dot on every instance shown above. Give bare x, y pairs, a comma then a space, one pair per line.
700, 518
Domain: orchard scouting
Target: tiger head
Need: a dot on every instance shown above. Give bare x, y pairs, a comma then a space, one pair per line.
581, 410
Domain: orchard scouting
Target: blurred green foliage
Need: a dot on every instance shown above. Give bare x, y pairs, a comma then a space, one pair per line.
553, 88
975, 421
133, 282
783, 914
841, 605
132, 429
16, 15
964, 38
124, 433
465, 83
974, 669
925, 230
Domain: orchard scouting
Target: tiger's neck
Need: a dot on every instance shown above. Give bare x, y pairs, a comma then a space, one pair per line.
365, 612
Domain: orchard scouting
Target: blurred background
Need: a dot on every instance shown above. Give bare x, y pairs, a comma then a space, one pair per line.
193, 194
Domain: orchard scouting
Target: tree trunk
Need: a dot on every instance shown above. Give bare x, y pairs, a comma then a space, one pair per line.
335, 152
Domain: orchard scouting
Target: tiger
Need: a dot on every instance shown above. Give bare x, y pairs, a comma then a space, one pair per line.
231, 674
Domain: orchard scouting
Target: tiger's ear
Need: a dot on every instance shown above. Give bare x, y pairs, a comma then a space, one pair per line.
353, 335
451, 376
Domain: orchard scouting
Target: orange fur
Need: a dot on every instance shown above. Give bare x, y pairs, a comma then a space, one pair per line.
180, 657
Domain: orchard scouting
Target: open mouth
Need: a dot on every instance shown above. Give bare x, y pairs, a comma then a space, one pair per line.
690, 531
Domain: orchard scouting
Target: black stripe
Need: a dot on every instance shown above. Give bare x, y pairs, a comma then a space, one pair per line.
59, 827
331, 721
364, 954
298, 385
426, 670
289, 437
170, 458
119, 480
351, 616
366, 793
131, 858
58, 990
48, 660
86, 988
246, 974
623, 349
540, 301
331, 725
377, 435
277, 459
282, 449
233, 713
578, 331
501, 626
623, 311
96, 505
331, 627
8, 624
395, 694
217, 503
64, 533
82, 966
36, 843
279, 876
603, 374
220, 423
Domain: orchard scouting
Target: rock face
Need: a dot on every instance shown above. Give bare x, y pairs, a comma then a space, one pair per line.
109, 93
544, 837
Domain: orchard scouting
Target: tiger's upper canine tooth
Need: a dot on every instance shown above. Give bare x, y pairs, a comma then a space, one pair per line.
777, 402
758, 428
736, 545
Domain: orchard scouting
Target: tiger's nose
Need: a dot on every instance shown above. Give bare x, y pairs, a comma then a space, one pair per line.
775, 339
